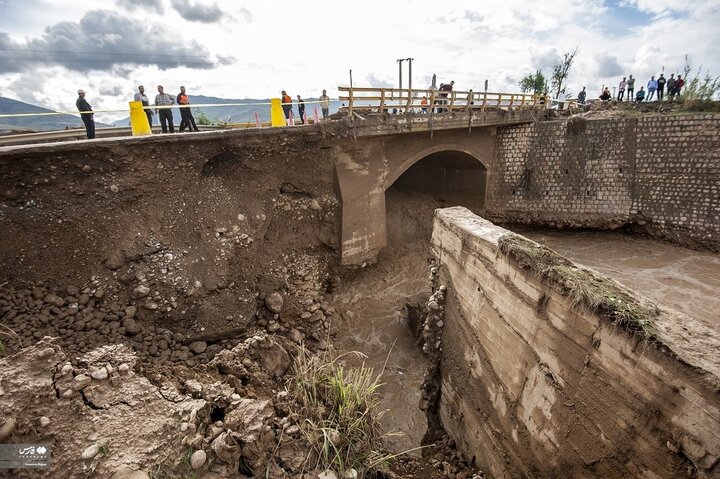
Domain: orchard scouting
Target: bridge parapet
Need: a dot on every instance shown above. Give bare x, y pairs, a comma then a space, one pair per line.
381, 100
376, 124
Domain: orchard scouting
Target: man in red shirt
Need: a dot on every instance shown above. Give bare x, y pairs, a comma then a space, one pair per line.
187, 121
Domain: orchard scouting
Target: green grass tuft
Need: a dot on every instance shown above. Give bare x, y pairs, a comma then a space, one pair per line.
340, 411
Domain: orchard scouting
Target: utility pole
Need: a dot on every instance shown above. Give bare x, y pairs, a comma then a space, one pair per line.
409, 60
400, 60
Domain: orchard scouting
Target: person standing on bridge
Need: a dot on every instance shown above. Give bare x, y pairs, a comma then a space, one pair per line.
84, 107
187, 119
141, 97
286, 105
166, 117
301, 109
325, 105
630, 88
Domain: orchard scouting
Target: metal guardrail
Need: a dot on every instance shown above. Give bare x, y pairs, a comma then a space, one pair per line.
385, 99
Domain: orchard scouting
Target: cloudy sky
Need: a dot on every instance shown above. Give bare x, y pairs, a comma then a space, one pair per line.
254, 49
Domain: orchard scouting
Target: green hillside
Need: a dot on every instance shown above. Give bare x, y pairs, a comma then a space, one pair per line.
36, 123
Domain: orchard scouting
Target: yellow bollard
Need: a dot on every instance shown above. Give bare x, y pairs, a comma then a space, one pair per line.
138, 119
277, 116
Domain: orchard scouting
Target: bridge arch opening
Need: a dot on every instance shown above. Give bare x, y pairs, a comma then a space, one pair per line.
452, 177
437, 180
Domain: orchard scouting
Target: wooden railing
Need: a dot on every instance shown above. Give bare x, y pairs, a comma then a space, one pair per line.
407, 100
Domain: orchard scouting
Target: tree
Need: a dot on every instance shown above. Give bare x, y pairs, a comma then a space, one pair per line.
561, 70
699, 88
535, 83
202, 118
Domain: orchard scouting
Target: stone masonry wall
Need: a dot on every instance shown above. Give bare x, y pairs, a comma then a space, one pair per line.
658, 172
534, 385
677, 176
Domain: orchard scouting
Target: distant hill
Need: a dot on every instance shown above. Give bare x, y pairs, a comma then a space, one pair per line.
220, 114
35, 123
238, 113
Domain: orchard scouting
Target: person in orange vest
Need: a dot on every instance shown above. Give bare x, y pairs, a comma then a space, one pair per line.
424, 103
188, 121
286, 104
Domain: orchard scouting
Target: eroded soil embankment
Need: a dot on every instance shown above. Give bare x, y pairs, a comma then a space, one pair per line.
208, 267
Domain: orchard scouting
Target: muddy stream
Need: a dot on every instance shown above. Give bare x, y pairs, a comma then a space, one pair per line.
372, 300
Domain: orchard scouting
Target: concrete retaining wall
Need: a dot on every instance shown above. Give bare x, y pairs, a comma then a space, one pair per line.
535, 386
659, 172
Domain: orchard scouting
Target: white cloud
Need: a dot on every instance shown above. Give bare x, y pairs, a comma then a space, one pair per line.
306, 47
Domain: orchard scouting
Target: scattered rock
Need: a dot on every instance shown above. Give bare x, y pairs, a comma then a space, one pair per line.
274, 302
329, 474
197, 460
54, 300
91, 451
198, 347
114, 188
44, 421
99, 373
295, 336
80, 381
140, 291
131, 326
7, 428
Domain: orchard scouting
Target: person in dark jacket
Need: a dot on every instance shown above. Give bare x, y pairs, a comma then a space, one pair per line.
640, 95
187, 120
142, 98
301, 109
605, 95
84, 107
661, 87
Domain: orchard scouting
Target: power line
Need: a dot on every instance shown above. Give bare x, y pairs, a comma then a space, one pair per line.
29, 50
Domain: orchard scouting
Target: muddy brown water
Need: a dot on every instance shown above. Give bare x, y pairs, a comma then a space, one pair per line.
678, 278
371, 302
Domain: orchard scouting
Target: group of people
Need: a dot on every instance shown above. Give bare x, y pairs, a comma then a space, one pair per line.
187, 121
655, 89
286, 102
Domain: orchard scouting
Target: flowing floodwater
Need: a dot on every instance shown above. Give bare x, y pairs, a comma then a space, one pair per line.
679, 278
371, 304
371, 300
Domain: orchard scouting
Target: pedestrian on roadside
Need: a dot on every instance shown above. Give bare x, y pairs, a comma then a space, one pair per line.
141, 97
581, 96
661, 87
286, 105
86, 114
165, 114
671, 86
621, 89
630, 88
651, 87
325, 105
679, 83
640, 95
301, 109
187, 120
423, 104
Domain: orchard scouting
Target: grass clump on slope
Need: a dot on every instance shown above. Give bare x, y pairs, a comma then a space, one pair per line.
587, 289
340, 407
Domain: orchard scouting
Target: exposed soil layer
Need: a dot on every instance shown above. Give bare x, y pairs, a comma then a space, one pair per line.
178, 288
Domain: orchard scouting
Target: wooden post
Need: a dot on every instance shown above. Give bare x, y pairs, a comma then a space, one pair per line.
350, 102
382, 101
535, 97
522, 103
499, 99
484, 101
512, 100
409, 101
432, 101
452, 100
